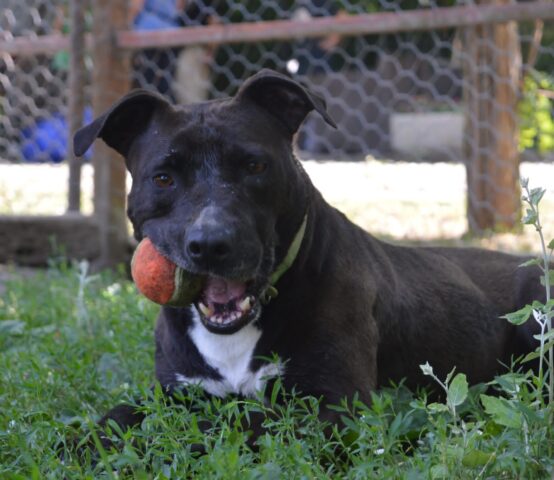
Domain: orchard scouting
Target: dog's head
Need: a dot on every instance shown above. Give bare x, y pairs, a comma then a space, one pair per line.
216, 186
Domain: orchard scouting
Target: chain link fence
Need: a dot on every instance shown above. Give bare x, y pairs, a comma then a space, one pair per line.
481, 95
371, 83
387, 92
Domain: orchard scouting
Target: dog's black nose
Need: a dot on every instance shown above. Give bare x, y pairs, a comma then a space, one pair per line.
208, 247
209, 240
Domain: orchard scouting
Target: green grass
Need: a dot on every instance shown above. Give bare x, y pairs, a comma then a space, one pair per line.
72, 346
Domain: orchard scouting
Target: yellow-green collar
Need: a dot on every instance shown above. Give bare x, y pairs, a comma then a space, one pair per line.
289, 259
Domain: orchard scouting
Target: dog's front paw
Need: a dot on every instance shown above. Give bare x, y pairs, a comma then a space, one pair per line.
106, 435
124, 416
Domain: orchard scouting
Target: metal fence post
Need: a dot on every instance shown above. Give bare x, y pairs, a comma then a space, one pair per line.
111, 79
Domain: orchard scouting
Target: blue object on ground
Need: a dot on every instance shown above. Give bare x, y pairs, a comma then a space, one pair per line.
46, 141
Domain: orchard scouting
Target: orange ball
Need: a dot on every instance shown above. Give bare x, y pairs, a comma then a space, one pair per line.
160, 280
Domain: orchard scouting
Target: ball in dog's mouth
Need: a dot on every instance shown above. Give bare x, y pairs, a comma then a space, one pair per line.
227, 305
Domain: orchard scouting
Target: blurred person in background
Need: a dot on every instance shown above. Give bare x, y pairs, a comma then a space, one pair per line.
155, 67
182, 74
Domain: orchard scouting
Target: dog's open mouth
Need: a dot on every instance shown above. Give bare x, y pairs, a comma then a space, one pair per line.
226, 305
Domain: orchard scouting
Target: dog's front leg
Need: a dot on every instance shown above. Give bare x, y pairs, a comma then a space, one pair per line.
125, 417
253, 424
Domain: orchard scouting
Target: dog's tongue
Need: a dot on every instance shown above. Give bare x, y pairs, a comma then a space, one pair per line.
220, 290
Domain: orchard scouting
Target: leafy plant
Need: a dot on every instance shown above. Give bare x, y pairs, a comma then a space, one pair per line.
542, 313
456, 390
535, 112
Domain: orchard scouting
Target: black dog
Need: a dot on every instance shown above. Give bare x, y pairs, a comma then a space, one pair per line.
218, 190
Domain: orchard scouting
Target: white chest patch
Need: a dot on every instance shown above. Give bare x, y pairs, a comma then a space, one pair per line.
230, 355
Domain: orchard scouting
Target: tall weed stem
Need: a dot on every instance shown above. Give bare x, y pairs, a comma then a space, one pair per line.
532, 198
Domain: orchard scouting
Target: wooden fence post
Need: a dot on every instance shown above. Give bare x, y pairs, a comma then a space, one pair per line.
492, 69
77, 73
111, 79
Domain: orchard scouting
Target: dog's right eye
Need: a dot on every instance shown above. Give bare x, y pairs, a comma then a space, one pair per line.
256, 167
163, 180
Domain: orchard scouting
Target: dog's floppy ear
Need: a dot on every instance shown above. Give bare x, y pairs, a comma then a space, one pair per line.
120, 125
284, 98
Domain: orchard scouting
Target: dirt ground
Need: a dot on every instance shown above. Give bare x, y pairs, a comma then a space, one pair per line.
395, 200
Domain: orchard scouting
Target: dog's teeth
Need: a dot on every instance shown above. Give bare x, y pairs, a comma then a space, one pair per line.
245, 305
205, 310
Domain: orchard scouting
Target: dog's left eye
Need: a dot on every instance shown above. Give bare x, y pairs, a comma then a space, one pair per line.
255, 167
163, 180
